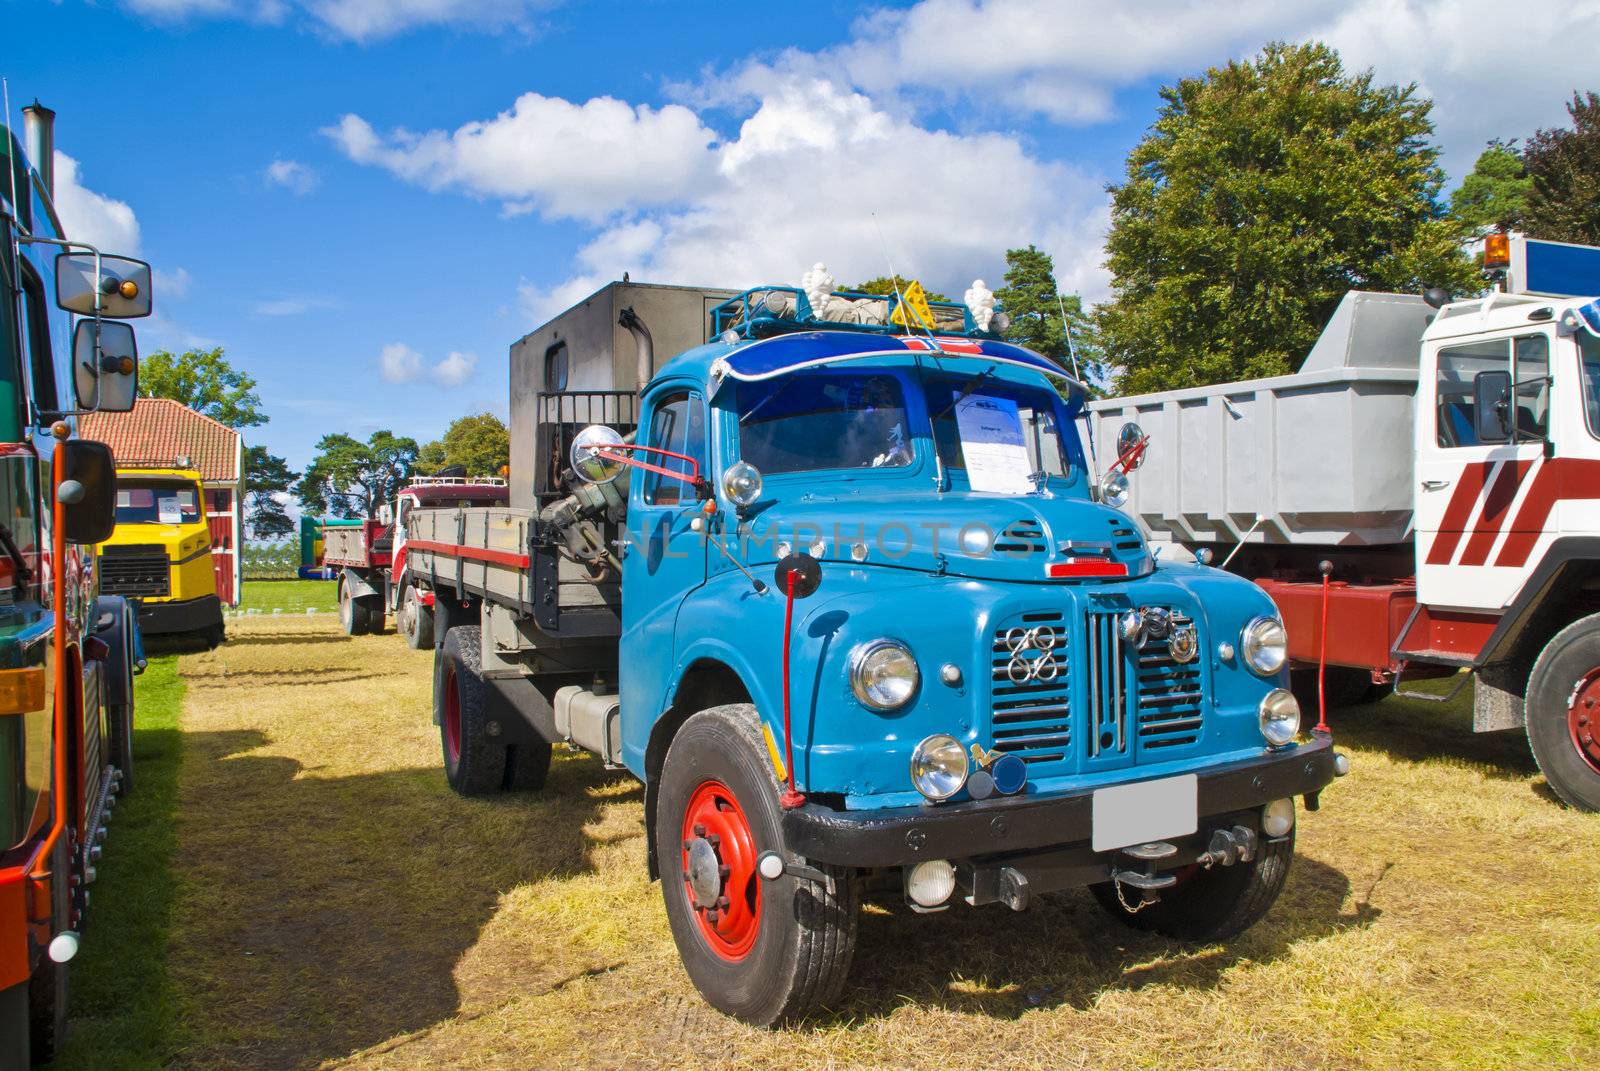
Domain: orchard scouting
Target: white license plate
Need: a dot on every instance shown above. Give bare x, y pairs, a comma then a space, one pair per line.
1146, 811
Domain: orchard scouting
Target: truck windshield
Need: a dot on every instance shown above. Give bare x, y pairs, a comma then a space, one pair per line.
999, 432
156, 503
824, 419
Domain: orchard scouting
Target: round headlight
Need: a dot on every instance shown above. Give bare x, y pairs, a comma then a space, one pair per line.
741, 482
1280, 717
1265, 646
1114, 489
883, 674
939, 767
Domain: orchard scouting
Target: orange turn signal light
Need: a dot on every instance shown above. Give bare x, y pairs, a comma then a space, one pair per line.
1497, 251
125, 366
129, 289
21, 690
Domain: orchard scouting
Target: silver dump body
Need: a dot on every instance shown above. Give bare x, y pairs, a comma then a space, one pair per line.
1322, 457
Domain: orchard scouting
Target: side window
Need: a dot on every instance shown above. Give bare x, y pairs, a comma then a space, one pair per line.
1532, 374
555, 367
679, 425
1589, 355
36, 342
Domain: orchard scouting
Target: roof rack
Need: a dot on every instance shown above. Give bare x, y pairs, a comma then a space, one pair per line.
456, 481
771, 310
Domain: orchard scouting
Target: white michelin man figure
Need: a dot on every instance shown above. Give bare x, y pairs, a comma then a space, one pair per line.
818, 285
980, 299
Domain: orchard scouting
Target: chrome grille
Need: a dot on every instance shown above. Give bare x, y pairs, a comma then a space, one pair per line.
1031, 713
138, 571
1106, 724
1170, 696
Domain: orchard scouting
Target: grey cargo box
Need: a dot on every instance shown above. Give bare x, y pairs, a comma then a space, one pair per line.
581, 368
1323, 456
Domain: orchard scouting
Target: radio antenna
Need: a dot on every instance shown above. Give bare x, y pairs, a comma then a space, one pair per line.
894, 280
1072, 355
11, 140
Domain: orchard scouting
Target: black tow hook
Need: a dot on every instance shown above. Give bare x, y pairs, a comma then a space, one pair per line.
1142, 875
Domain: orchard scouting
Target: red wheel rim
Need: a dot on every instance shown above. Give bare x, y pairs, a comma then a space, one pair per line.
452, 717
729, 924
1583, 719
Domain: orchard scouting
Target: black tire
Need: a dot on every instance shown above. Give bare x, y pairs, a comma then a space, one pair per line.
14, 1027
214, 635
1210, 905
474, 764
371, 607
527, 766
1558, 676
47, 989
352, 619
414, 620
121, 722
803, 936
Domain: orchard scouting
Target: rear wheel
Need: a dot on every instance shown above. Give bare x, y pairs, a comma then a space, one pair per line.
370, 608
414, 620
1563, 713
1208, 905
474, 764
352, 618
764, 951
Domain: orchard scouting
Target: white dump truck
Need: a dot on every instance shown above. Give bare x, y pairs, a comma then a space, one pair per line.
1421, 498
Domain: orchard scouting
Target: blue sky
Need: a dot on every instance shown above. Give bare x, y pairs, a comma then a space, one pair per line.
366, 201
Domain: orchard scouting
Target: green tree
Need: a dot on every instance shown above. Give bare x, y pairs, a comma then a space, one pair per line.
351, 478
883, 284
1029, 297
1262, 193
478, 443
204, 381
1495, 195
1564, 166
266, 477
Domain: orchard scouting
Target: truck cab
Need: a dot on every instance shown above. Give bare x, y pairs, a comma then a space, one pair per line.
159, 557
848, 598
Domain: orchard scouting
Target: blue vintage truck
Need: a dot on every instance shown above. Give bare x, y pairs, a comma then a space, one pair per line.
840, 587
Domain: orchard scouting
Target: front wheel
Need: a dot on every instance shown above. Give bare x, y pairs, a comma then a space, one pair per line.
763, 951
352, 617
1563, 713
414, 620
1208, 905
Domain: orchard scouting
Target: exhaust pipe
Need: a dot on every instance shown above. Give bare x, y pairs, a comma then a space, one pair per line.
39, 136
646, 347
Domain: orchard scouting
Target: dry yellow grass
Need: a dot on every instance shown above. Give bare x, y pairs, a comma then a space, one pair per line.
339, 907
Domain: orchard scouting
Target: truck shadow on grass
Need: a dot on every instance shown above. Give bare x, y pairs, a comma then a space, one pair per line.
321, 916
1415, 731
1064, 950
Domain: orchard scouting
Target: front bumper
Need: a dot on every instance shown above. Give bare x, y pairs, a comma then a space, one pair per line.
186, 615
901, 835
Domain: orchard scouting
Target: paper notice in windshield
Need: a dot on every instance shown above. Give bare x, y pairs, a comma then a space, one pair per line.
992, 443
169, 511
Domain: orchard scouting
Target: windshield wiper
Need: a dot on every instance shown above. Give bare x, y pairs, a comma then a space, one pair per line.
966, 389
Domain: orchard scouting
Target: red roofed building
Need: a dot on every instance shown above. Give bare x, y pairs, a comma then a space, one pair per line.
162, 433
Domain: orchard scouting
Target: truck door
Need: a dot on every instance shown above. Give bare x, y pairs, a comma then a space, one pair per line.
1483, 416
663, 557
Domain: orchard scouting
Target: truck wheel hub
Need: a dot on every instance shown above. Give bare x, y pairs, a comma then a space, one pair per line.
1583, 719
719, 871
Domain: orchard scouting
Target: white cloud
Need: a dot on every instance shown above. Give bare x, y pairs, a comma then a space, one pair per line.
171, 283
802, 182
455, 369
92, 217
293, 306
400, 363
546, 154
291, 175
357, 20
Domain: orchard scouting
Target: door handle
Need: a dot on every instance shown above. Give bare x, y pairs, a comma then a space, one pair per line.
1435, 485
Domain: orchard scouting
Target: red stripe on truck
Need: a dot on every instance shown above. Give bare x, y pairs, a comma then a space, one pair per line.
476, 554
1454, 521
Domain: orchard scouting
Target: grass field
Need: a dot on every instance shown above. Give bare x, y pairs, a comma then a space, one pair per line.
331, 904
290, 596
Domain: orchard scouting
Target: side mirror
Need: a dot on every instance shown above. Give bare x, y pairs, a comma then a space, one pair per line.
1491, 406
123, 287
105, 366
1131, 442
587, 462
88, 491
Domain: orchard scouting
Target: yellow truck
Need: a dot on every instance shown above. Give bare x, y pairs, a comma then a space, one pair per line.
160, 554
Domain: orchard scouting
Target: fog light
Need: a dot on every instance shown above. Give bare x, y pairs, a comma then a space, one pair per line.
930, 884
939, 767
1277, 818
1280, 717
